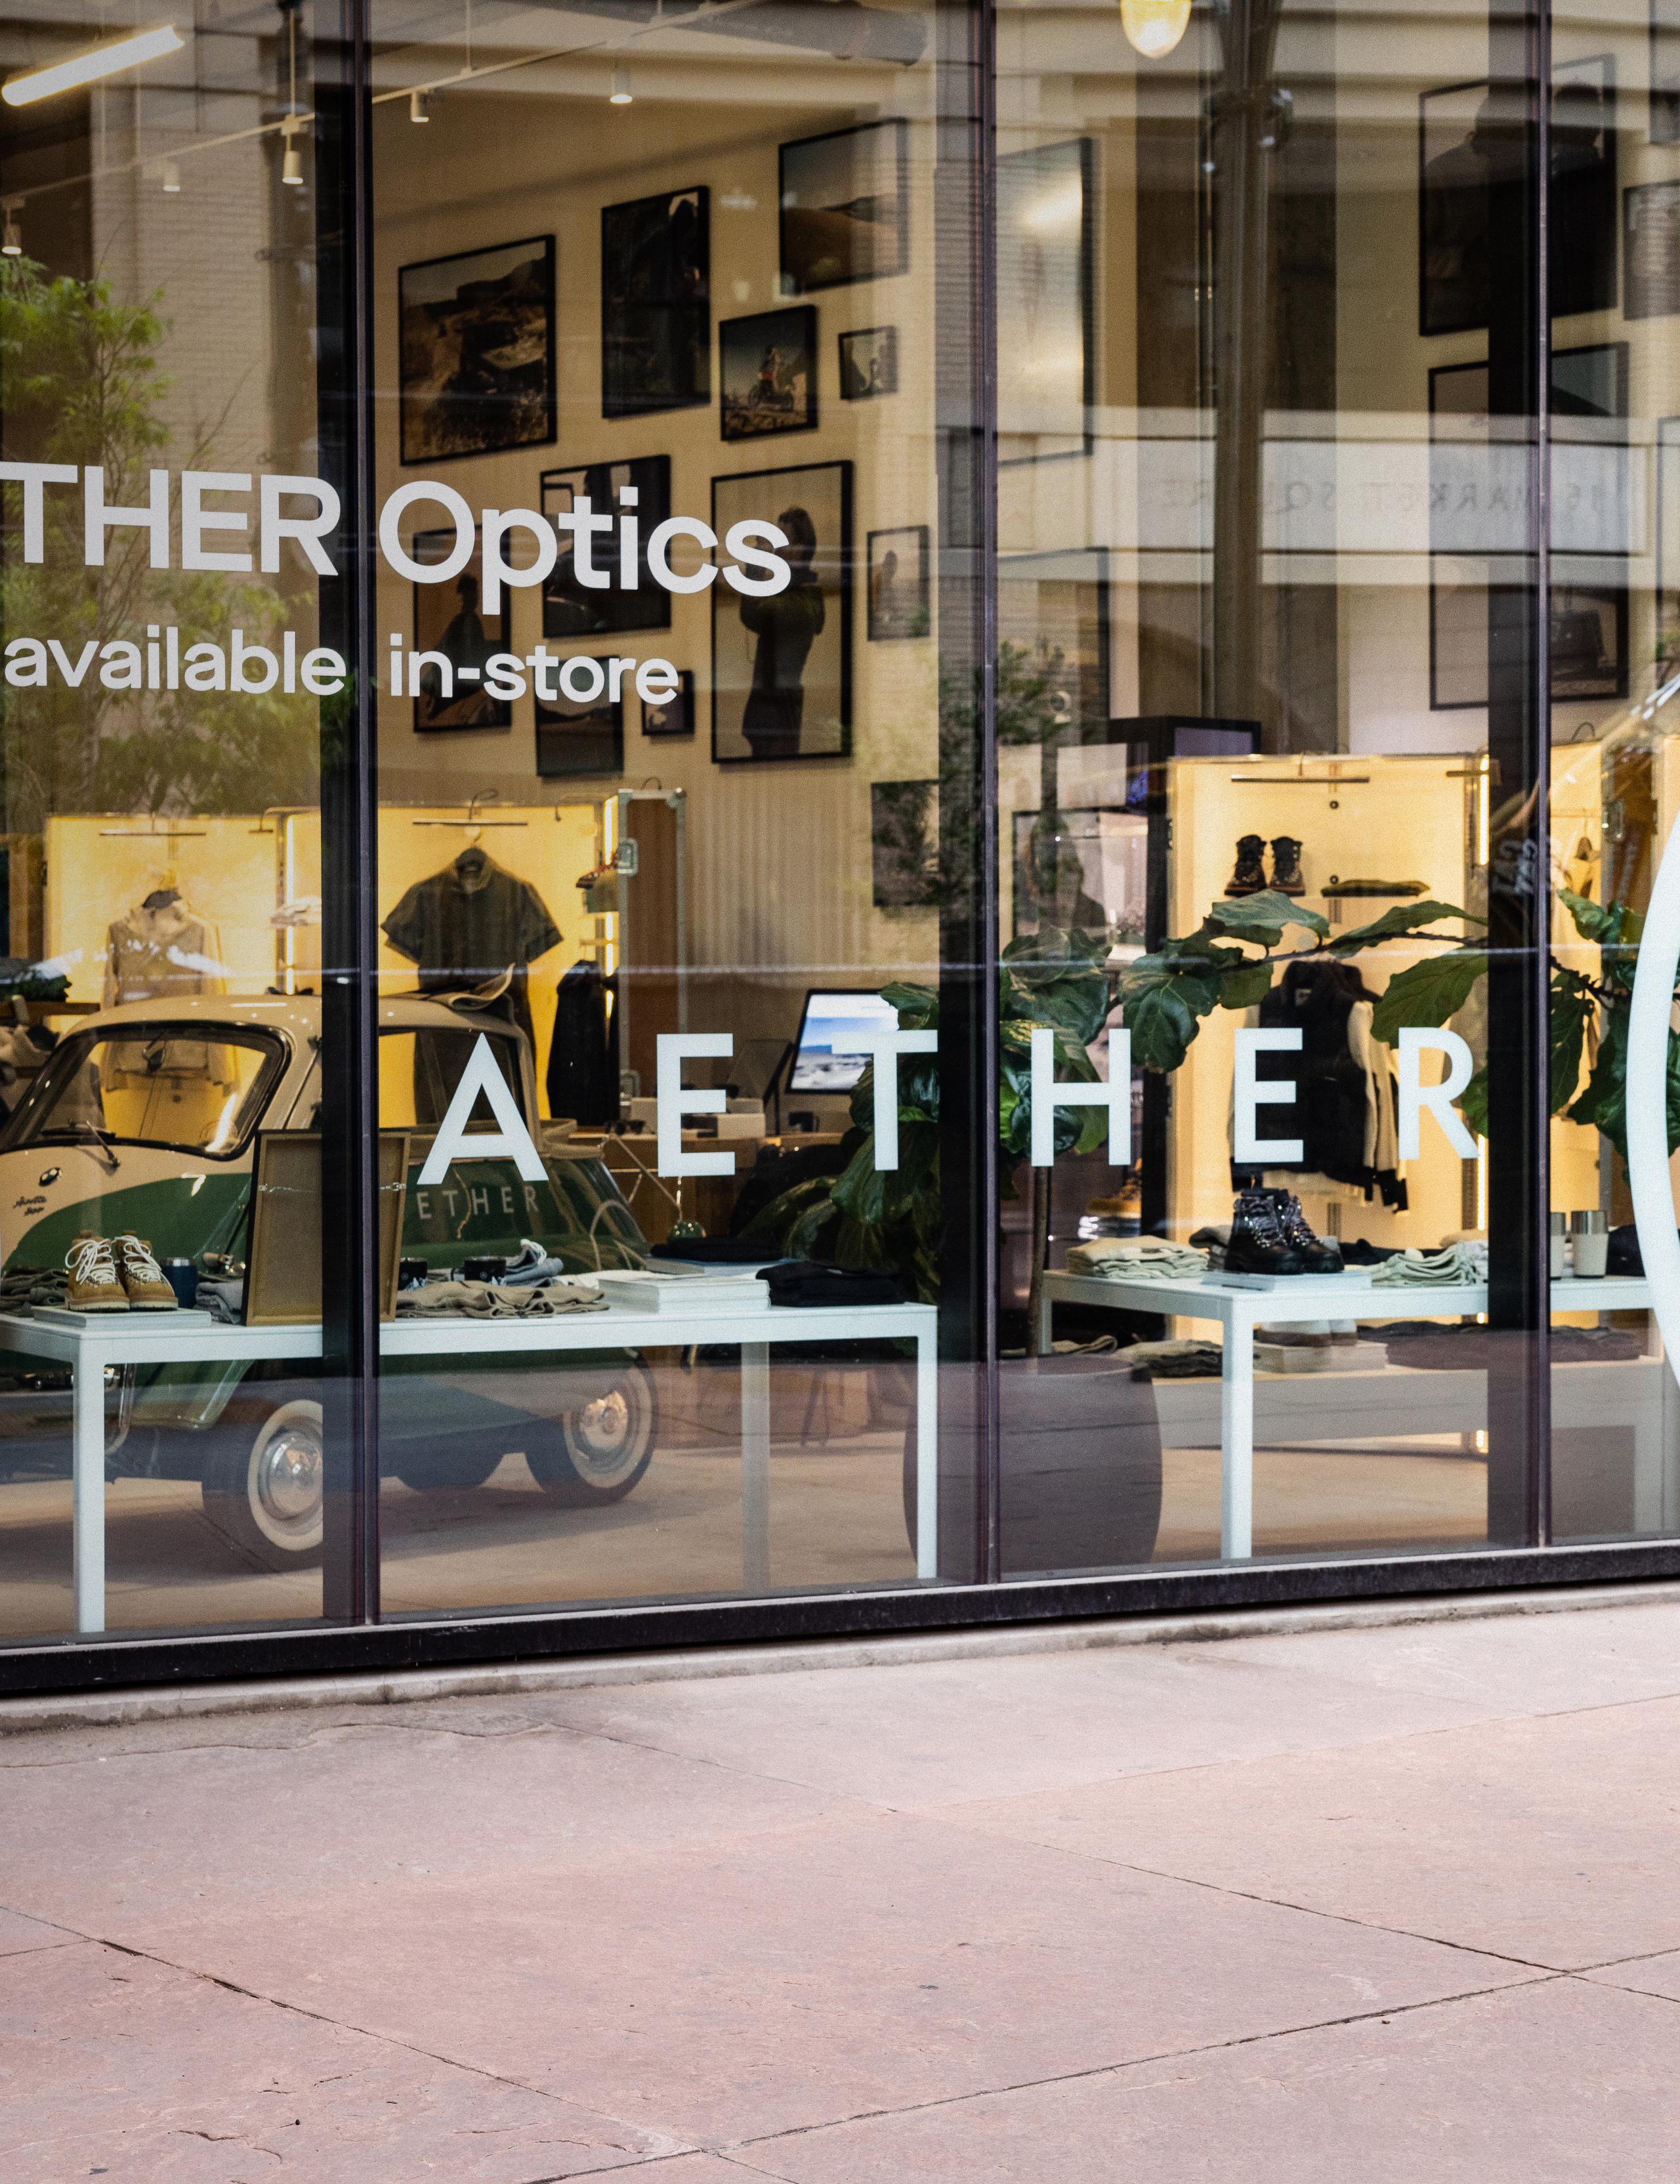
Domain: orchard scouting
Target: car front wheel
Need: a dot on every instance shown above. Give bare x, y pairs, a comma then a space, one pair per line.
597, 1452
266, 1496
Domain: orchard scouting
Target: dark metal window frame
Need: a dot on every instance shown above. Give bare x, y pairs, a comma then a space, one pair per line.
350, 1637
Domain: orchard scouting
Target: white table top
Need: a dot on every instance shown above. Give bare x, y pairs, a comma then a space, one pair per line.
1348, 1296
130, 1338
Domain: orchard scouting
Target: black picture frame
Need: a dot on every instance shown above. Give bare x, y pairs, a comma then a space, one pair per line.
676, 716
869, 363
898, 607
1454, 276
767, 373
437, 628
1650, 248
578, 611
754, 720
1662, 123
903, 833
475, 352
1046, 254
577, 741
1590, 392
656, 311
844, 207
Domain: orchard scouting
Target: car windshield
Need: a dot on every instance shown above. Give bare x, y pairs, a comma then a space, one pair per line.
154, 1084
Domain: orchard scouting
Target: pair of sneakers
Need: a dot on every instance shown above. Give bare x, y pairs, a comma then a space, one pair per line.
117, 1273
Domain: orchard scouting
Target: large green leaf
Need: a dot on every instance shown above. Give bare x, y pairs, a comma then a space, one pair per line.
1163, 1014
1406, 918
1572, 1010
1262, 918
1473, 1103
1428, 992
1246, 988
1603, 1104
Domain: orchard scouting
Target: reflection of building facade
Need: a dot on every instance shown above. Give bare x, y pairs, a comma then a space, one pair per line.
963, 692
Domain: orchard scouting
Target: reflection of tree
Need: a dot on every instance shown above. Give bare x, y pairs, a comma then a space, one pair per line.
83, 386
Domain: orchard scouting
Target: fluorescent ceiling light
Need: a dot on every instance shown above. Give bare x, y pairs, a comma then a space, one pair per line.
88, 68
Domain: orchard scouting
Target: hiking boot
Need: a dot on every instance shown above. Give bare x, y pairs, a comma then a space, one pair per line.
141, 1277
1318, 1255
1257, 1245
94, 1285
1249, 876
1286, 865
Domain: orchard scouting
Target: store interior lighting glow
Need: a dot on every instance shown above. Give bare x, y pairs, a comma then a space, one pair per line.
90, 68
620, 94
1153, 27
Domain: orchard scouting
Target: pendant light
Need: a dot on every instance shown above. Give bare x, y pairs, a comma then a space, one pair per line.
291, 165
1153, 27
12, 243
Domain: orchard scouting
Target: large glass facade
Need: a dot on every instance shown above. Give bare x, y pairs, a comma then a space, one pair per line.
806, 805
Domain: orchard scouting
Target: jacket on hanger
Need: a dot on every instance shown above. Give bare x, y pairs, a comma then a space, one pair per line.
583, 1064
1344, 1109
161, 951
470, 922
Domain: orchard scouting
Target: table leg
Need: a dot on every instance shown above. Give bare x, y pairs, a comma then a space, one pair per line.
1237, 1439
928, 1456
1046, 1309
87, 1443
755, 1467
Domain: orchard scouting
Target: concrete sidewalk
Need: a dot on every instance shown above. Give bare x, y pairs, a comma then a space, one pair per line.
1370, 1904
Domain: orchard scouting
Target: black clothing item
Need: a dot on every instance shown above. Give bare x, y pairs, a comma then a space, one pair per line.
1625, 1256
804, 1282
1331, 1088
1358, 1253
787, 626
715, 1250
583, 1071
468, 924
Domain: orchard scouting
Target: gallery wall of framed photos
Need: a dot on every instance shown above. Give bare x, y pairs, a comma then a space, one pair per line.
724, 334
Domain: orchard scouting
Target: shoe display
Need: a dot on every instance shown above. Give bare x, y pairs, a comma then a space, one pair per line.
1249, 876
1319, 1255
144, 1283
94, 1285
1257, 1245
1286, 865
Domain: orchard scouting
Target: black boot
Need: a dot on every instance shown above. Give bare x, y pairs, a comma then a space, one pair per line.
1250, 877
1286, 865
1318, 1255
1257, 1245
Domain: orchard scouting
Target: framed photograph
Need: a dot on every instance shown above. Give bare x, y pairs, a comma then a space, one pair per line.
1053, 638
476, 370
656, 309
1663, 119
845, 200
1455, 150
900, 604
573, 609
1650, 244
768, 367
869, 363
782, 667
1045, 369
449, 621
576, 738
283, 1244
1477, 492
905, 843
675, 717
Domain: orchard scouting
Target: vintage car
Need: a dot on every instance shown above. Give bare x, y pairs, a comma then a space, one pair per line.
146, 1117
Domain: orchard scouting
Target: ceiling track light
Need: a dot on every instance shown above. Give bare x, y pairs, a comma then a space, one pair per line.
12, 242
171, 178
1153, 27
89, 67
291, 165
420, 106
620, 94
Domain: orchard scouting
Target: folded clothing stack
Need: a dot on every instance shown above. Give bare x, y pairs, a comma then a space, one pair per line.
1427, 1346
497, 1301
1186, 1360
810, 1282
1135, 1259
1413, 1268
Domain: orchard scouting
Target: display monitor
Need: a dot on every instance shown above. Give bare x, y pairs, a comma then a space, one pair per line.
831, 1020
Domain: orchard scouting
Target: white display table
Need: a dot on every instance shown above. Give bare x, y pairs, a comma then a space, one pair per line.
1350, 1295
90, 1346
